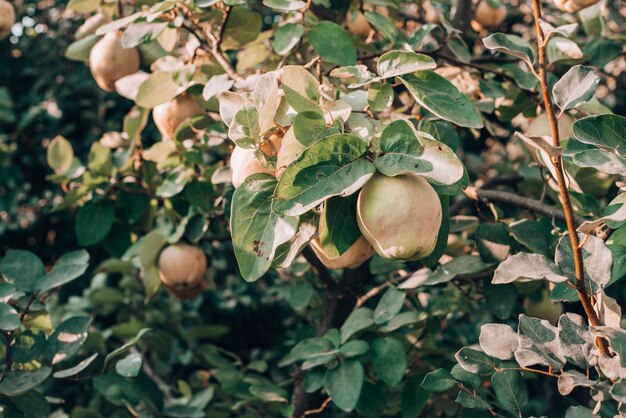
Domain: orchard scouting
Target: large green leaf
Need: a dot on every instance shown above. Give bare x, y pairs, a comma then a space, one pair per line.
256, 228
605, 131
18, 382
335, 166
344, 383
389, 359
23, 268
404, 149
301, 89
9, 320
243, 27
511, 44
442, 98
286, 37
510, 390
332, 43
69, 267
94, 221
396, 63
67, 338
577, 86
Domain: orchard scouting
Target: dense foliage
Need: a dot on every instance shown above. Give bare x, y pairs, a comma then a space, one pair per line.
287, 208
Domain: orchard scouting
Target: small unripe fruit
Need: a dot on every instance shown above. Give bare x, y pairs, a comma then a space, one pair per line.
540, 126
109, 61
488, 16
243, 164
572, 6
544, 308
400, 216
7, 18
169, 115
360, 252
182, 268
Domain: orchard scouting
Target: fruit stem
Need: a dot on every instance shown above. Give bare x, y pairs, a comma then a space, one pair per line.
557, 162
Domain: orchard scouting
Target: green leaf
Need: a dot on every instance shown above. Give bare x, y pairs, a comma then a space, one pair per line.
604, 131
601, 160
285, 5
513, 45
389, 359
358, 320
414, 398
510, 390
268, 393
129, 366
67, 338
332, 43
18, 382
287, 37
124, 348
23, 268
475, 361
76, 369
311, 347
142, 32
245, 129
83, 6
380, 96
60, 155
579, 412
333, 167
472, 402
9, 320
94, 221
160, 87
344, 383
382, 24
525, 267
339, 229
577, 86
404, 149
79, 50
538, 343
354, 348
243, 27
309, 127
389, 305
501, 299
396, 63
439, 381
442, 98
257, 229
67, 268
301, 89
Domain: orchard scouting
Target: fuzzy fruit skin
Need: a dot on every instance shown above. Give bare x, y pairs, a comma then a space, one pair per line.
109, 61
400, 216
572, 6
359, 253
243, 163
7, 18
169, 115
182, 268
540, 126
489, 17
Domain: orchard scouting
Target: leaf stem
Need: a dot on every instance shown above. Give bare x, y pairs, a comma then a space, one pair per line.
557, 162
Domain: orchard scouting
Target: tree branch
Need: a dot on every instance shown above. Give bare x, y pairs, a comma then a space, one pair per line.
557, 162
341, 298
